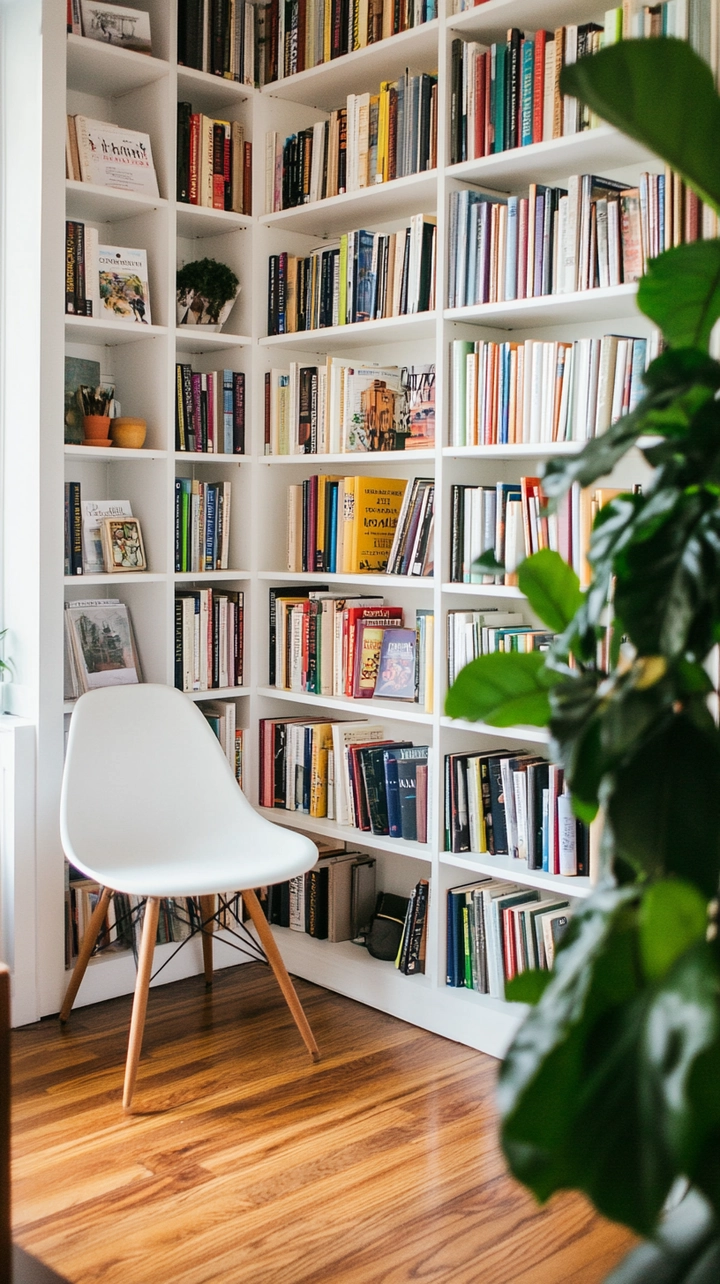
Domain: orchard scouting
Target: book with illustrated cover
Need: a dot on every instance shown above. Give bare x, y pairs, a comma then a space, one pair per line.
418, 407
396, 666
372, 408
124, 290
101, 649
112, 156
115, 24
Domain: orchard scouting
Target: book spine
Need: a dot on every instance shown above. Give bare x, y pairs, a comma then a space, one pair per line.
238, 413
76, 558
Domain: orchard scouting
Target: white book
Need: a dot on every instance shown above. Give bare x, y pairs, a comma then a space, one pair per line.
111, 156
572, 236
123, 285
619, 380
363, 138
606, 377
567, 835
601, 218
521, 813
345, 734
514, 535
94, 512
318, 149
570, 105
549, 90
614, 241
271, 146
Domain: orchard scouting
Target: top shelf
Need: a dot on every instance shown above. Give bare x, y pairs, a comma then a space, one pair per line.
209, 91
105, 70
490, 22
327, 86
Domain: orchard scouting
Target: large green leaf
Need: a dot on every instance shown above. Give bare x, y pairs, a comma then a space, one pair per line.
503, 689
680, 122
673, 916
680, 292
665, 807
684, 1250
595, 1089
551, 587
527, 987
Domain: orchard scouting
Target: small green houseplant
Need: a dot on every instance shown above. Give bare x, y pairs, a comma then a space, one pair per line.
612, 1084
206, 291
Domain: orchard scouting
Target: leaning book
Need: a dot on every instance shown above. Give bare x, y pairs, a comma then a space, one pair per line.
115, 24
101, 650
112, 156
124, 290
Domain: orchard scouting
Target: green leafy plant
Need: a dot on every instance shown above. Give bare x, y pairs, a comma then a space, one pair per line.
612, 1084
214, 282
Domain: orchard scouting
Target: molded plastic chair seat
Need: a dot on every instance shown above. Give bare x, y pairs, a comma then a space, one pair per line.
150, 807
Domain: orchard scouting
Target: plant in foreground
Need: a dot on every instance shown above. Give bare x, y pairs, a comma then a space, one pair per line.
612, 1084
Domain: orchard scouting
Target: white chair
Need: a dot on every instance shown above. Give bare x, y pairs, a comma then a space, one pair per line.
150, 807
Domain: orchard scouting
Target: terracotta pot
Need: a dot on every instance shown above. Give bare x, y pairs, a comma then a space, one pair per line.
102, 441
96, 427
128, 433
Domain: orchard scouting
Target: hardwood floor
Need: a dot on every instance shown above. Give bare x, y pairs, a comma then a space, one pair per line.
248, 1164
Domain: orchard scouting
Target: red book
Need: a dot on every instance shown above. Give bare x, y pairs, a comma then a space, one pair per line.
509, 951
194, 165
480, 119
247, 180
541, 39
302, 19
421, 791
351, 615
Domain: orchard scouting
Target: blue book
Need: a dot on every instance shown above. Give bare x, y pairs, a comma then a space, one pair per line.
499, 144
365, 242
526, 93
511, 248
227, 445
504, 425
332, 558
392, 792
210, 523
450, 946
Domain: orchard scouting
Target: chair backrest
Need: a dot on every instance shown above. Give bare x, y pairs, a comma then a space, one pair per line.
145, 773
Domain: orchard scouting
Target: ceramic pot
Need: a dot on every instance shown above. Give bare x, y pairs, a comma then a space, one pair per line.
128, 433
192, 310
96, 427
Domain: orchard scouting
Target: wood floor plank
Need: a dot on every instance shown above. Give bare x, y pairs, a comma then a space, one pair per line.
247, 1163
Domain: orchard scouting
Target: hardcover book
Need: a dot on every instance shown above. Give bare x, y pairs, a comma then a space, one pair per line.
124, 290
396, 666
116, 25
111, 156
103, 646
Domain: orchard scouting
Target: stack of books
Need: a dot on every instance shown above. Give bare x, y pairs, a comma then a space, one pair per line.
362, 277
513, 803
202, 525
349, 772
496, 929
353, 647
208, 639
209, 411
597, 232
507, 393
347, 408
373, 139
108, 282
343, 524
221, 716
214, 163
333, 901
305, 35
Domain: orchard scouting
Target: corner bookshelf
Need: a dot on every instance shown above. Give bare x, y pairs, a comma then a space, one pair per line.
142, 92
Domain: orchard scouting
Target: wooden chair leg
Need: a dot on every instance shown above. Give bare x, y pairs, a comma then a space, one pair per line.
87, 945
207, 909
142, 986
274, 957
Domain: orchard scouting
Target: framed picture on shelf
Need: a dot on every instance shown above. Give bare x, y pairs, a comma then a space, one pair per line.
115, 24
122, 542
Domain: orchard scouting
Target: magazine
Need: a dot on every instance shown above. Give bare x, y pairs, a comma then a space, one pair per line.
124, 291
419, 407
101, 646
116, 25
396, 667
112, 156
372, 408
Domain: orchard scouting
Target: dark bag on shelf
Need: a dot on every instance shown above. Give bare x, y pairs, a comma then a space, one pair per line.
386, 929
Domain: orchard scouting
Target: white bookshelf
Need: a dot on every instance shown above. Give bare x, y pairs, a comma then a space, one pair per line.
142, 93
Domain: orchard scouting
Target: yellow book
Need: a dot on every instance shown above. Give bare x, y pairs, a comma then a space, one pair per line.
327, 30
321, 742
376, 510
383, 157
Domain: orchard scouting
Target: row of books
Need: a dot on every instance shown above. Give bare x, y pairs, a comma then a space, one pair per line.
223, 38
354, 647
343, 524
209, 639
412, 551
344, 408
334, 901
364, 276
554, 241
496, 929
373, 139
508, 95
108, 282
209, 411
202, 525
214, 162
413, 941
308, 34
109, 155
101, 535
545, 391
100, 648
221, 717
473, 633
693, 20
512, 803
350, 772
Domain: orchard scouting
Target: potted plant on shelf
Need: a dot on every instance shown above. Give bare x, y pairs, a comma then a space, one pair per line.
612, 1083
206, 291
